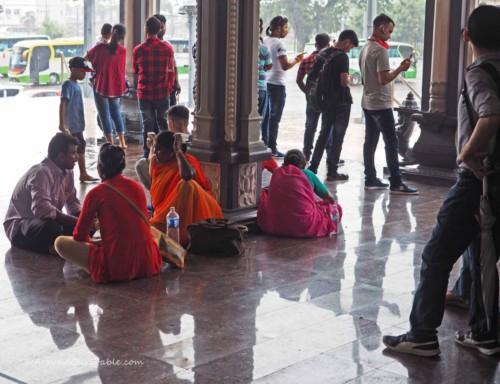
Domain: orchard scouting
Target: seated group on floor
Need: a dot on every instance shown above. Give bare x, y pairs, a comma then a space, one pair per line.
46, 216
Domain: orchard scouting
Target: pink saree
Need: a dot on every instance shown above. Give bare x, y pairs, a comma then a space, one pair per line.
290, 208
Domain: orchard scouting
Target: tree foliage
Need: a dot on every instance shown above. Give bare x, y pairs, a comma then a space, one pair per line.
309, 17
29, 20
52, 29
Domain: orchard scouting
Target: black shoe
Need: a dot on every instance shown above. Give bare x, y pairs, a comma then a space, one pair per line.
403, 189
408, 343
337, 177
375, 184
486, 345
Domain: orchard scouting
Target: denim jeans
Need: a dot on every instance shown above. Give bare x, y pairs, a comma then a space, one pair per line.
153, 113
334, 124
262, 104
312, 118
108, 109
455, 230
462, 287
381, 121
277, 97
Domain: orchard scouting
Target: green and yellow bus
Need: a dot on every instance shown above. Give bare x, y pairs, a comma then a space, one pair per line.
41, 62
6, 44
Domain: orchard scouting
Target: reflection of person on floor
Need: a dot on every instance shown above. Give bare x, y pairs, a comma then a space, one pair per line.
71, 112
115, 259
290, 208
35, 215
456, 226
26, 288
177, 180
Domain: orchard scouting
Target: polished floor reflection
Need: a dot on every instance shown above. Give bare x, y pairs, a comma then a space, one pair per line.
288, 311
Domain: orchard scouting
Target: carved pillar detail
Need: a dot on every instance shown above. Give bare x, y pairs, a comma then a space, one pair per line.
248, 185
438, 92
212, 172
231, 91
439, 67
226, 117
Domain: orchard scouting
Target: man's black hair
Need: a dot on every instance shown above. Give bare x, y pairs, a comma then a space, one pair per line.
382, 19
153, 25
160, 17
483, 26
349, 34
322, 40
60, 143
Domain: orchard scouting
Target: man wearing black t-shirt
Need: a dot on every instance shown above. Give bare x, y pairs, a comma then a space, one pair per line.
338, 102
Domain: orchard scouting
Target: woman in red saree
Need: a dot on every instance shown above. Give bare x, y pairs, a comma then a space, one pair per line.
177, 180
128, 251
290, 208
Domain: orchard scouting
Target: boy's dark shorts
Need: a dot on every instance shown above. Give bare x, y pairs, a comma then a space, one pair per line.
81, 142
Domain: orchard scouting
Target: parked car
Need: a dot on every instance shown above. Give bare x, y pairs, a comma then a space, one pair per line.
10, 90
42, 93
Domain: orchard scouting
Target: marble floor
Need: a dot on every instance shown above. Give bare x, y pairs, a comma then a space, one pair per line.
288, 311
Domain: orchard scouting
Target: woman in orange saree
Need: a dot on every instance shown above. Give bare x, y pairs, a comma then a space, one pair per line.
177, 180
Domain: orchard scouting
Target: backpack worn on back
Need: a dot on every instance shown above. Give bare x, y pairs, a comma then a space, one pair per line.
319, 92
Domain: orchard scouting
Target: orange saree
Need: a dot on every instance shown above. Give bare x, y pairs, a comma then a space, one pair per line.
192, 199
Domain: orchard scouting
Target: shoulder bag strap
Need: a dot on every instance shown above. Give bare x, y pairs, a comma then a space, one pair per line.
492, 71
468, 106
128, 201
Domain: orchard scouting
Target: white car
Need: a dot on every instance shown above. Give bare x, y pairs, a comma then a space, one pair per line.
10, 90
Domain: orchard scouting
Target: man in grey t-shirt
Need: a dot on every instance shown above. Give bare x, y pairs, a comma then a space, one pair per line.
377, 106
456, 227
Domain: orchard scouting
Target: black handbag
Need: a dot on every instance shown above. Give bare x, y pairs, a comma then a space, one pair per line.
216, 237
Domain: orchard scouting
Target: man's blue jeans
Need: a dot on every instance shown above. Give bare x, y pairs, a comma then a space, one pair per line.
108, 109
381, 121
334, 124
455, 230
277, 97
312, 118
151, 112
262, 108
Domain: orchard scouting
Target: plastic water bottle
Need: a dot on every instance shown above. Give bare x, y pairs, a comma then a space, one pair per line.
335, 219
173, 224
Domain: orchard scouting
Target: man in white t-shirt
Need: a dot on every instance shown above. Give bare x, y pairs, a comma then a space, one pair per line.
377, 106
275, 78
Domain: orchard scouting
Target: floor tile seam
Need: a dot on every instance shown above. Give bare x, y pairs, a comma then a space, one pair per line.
356, 380
292, 365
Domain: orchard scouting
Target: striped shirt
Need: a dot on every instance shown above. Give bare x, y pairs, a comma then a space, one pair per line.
153, 62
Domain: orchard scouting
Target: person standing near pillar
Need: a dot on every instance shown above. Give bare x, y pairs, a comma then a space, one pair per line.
377, 106
108, 59
312, 117
457, 226
177, 86
153, 63
265, 64
337, 102
277, 30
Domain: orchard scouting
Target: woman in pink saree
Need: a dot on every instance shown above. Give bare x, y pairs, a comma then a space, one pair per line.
290, 208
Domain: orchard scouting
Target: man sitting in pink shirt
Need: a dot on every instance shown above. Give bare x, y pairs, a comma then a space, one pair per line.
35, 216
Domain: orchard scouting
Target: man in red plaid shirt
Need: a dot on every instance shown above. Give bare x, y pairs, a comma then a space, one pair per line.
153, 62
312, 117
